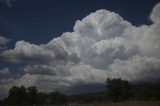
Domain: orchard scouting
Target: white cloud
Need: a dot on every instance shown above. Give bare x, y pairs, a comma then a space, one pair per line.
3, 40
156, 14
103, 45
137, 68
26, 52
4, 72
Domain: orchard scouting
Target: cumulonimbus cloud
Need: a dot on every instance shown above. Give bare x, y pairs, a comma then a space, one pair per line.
102, 45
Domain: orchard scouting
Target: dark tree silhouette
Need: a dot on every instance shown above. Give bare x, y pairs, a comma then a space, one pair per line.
118, 89
145, 91
57, 98
42, 98
17, 96
32, 95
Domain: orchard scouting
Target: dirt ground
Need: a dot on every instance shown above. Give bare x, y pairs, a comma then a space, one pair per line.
128, 103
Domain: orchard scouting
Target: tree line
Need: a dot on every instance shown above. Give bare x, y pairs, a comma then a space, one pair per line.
122, 90
116, 90
21, 96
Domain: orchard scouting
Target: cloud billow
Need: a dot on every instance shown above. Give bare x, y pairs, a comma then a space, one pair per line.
102, 45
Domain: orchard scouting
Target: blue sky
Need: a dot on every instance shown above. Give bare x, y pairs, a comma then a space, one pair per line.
33, 25
39, 21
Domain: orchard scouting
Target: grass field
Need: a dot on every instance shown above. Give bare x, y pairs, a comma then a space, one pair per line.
128, 103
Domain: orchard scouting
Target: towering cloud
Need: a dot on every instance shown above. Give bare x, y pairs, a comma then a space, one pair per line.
102, 45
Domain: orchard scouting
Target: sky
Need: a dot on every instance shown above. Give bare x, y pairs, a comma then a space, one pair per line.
73, 46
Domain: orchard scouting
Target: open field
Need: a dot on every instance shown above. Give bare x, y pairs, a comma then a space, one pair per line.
128, 103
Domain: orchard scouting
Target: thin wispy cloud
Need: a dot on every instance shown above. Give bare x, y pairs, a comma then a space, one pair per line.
8, 2
3, 42
4, 72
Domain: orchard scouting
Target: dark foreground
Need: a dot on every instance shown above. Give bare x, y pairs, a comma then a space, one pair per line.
128, 103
